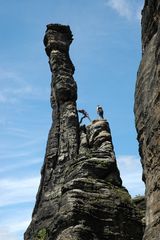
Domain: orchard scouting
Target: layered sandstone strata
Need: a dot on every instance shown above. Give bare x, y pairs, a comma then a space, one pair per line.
147, 114
81, 194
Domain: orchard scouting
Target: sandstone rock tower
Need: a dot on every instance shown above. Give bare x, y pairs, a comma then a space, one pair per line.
80, 195
147, 114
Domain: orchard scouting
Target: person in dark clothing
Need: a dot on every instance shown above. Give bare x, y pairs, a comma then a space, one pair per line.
85, 115
100, 111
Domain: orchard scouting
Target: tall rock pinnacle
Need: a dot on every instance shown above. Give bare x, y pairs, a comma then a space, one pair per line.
81, 194
147, 114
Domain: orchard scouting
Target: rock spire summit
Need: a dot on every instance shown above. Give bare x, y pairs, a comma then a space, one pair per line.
80, 194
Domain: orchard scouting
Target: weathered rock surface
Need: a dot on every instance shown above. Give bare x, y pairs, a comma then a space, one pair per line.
140, 203
147, 114
81, 196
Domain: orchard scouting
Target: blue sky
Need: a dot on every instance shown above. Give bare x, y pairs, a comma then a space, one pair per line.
106, 52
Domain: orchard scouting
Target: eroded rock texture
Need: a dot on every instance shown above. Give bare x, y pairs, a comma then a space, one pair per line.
140, 203
147, 114
80, 195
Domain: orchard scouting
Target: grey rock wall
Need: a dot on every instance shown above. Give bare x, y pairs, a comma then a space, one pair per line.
147, 115
80, 196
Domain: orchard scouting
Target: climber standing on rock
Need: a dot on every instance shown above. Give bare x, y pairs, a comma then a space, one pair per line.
100, 111
85, 115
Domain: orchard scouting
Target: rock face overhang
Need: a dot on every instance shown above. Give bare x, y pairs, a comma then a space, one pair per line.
80, 194
147, 114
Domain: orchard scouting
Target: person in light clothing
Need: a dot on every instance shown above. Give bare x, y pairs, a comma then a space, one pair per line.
100, 112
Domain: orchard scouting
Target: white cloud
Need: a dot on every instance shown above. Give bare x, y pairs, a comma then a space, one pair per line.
131, 173
29, 144
14, 155
15, 223
129, 161
8, 74
14, 87
18, 132
121, 7
13, 191
21, 164
17, 226
128, 9
5, 234
138, 14
10, 95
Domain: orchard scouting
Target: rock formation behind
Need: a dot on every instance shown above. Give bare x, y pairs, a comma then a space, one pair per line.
147, 114
81, 195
